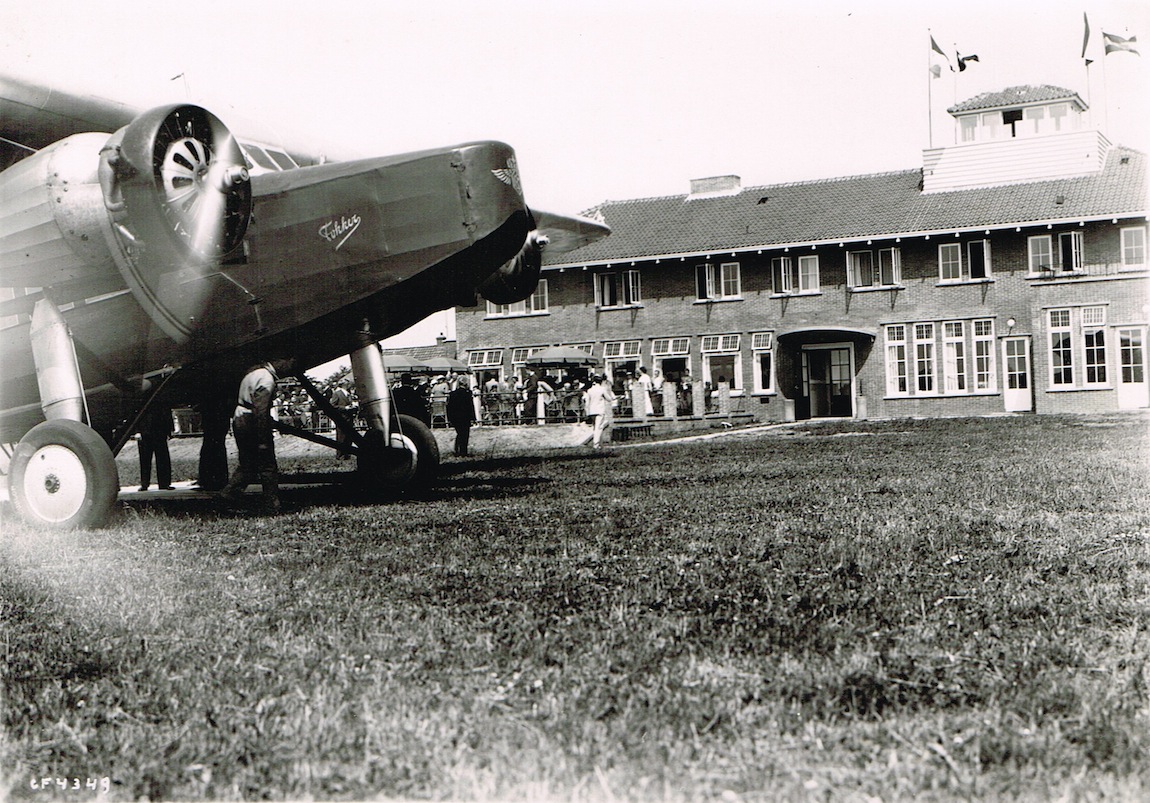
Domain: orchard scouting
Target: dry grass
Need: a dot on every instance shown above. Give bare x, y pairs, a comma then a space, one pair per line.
902, 610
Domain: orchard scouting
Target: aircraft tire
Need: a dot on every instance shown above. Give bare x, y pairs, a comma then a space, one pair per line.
63, 476
411, 460
427, 450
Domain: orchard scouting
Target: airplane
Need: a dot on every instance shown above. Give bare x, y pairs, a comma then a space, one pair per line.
151, 256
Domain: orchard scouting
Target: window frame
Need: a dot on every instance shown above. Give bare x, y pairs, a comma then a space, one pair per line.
1034, 252
525, 308
1077, 253
486, 360
626, 287
728, 345
884, 274
925, 356
950, 265
955, 362
1061, 375
763, 345
1137, 249
897, 376
713, 280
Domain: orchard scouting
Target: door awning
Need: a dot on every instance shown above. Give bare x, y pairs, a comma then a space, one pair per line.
826, 334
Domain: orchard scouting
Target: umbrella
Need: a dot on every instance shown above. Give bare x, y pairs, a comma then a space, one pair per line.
402, 364
560, 356
443, 365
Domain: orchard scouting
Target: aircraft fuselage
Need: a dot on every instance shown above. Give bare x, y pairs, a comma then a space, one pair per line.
330, 249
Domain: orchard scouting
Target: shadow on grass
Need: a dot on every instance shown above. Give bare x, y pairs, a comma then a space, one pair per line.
466, 479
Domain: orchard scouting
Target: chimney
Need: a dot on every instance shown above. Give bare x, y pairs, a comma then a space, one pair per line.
715, 187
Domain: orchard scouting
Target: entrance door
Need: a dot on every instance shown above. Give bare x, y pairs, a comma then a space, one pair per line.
828, 381
1017, 395
1132, 387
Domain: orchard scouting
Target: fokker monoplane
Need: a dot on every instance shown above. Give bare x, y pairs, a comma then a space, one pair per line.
153, 256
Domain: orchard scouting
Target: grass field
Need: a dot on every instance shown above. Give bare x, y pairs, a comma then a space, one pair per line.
950, 609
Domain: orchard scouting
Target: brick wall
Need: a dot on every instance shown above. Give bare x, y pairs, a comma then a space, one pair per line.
669, 308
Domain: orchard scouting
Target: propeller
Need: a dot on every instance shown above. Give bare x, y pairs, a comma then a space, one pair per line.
178, 188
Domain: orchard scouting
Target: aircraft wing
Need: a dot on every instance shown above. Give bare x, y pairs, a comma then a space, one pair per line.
568, 232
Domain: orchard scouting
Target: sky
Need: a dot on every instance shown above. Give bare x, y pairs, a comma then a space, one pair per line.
601, 100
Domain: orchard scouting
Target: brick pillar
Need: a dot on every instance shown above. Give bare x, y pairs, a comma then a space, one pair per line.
638, 401
723, 402
670, 400
698, 399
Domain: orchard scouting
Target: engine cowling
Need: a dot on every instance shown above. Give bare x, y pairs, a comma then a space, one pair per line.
516, 279
155, 206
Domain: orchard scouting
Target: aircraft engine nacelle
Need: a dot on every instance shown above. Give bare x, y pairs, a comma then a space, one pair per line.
153, 206
516, 279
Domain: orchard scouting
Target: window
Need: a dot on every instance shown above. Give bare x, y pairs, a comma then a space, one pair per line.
952, 267
790, 277
1070, 251
1040, 252
490, 358
1134, 247
978, 259
1094, 344
1061, 349
621, 349
1095, 362
763, 365
1131, 359
617, 289
950, 262
717, 283
670, 346
536, 304
924, 357
954, 356
862, 271
860, 265
520, 355
587, 347
896, 377
984, 368
721, 361
916, 348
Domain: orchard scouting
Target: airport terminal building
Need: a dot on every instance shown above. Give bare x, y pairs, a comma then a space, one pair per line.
1008, 273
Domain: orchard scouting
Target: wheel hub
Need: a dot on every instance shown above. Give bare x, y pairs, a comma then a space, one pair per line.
55, 483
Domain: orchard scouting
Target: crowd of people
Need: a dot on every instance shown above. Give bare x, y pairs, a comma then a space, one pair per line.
449, 399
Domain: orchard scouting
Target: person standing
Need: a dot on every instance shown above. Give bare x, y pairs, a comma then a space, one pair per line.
531, 397
253, 431
460, 414
644, 381
341, 401
600, 406
155, 429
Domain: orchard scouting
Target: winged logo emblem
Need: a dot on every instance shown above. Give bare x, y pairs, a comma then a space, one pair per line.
509, 175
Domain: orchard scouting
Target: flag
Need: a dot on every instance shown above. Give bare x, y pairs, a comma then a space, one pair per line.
962, 60
1085, 35
1115, 44
935, 69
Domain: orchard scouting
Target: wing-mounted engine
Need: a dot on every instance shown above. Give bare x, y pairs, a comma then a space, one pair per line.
154, 207
516, 279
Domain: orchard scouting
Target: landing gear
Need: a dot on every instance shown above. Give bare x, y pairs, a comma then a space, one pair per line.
411, 460
63, 475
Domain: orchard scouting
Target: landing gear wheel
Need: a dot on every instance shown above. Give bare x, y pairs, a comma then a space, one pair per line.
63, 475
415, 433
411, 460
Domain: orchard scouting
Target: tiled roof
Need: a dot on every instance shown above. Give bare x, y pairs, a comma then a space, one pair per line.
1016, 96
853, 208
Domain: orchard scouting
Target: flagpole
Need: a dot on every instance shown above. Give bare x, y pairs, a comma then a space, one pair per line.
929, 96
